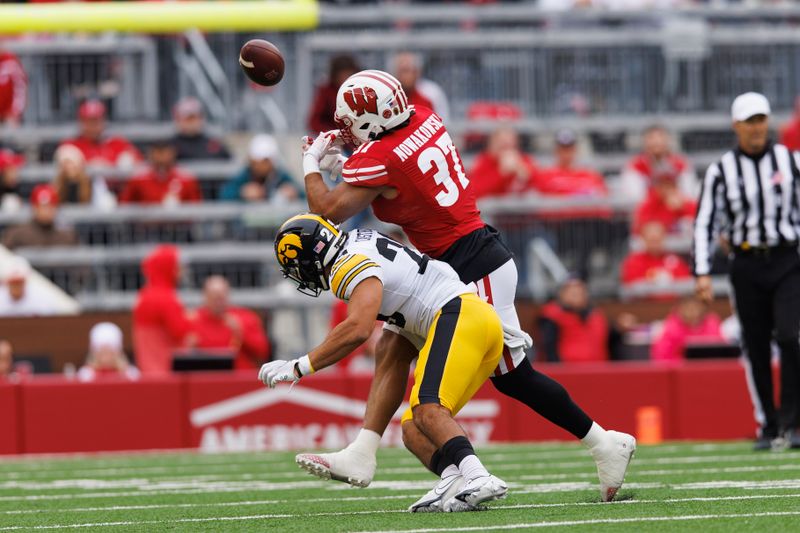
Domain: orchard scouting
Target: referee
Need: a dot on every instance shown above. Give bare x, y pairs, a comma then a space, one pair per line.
751, 196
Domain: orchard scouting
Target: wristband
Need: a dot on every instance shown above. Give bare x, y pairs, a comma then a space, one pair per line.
310, 164
303, 366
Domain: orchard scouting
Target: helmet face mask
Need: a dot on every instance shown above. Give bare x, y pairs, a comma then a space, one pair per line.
305, 246
368, 103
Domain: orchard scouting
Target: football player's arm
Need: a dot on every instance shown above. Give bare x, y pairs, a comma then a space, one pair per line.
341, 202
365, 302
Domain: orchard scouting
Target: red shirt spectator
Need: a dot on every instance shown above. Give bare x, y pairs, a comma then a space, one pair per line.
97, 148
503, 168
790, 132
163, 182
565, 179
324, 104
690, 322
666, 205
572, 331
217, 324
654, 264
106, 358
655, 162
642, 266
13, 88
159, 321
407, 70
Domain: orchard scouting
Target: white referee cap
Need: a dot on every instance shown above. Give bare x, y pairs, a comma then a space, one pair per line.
749, 105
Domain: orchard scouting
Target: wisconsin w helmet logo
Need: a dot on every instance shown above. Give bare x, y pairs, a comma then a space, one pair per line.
289, 247
362, 100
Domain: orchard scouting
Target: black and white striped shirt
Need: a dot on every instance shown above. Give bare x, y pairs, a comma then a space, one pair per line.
754, 200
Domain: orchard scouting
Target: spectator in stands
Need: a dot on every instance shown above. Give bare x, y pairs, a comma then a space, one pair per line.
407, 68
98, 148
690, 322
41, 230
160, 325
13, 88
790, 132
162, 182
503, 168
654, 264
10, 198
73, 184
6, 361
572, 331
262, 179
217, 324
19, 297
106, 357
191, 140
322, 109
564, 178
655, 161
667, 204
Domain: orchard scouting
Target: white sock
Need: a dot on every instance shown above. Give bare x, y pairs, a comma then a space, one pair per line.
595, 437
366, 442
451, 470
472, 468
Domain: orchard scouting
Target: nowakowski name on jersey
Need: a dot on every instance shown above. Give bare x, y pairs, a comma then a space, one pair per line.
418, 138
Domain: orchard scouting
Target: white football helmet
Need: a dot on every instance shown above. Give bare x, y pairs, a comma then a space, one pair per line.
368, 103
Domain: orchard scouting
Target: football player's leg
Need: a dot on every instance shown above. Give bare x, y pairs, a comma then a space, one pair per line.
514, 375
516, 378
450, 481
357, 462
463, 346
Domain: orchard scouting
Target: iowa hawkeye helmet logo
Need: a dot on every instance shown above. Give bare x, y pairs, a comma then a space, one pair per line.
362, 100
289, 247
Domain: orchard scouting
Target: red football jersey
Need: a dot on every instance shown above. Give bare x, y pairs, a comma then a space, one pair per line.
434, 204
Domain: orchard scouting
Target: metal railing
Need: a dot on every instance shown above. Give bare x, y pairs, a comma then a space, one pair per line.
62, 71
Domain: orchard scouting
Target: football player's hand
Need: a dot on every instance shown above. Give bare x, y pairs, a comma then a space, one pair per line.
276, 372
333, 164
326, 143
704, 289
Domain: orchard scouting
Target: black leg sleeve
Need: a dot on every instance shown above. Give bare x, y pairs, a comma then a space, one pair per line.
545, 396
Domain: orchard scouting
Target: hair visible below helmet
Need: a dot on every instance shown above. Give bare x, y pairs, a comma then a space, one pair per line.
304, 246
368, 103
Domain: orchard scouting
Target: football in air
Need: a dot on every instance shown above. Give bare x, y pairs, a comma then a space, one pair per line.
262, 62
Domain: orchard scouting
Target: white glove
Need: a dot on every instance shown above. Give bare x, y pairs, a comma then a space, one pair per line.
313, 151
333, 164
516, 338
276, 372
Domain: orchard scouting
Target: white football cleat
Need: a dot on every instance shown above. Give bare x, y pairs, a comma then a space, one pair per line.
434, 500
347, 466
612, 460
476, 492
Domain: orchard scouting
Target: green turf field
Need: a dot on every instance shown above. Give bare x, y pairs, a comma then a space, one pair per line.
674, 487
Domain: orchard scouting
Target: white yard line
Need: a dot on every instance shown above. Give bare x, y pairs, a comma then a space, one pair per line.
415, 467
267, 480
394, 486
427, 530
35, 462
495, 527
378, 498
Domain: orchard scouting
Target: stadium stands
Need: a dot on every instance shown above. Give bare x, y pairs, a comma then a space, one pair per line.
605, 76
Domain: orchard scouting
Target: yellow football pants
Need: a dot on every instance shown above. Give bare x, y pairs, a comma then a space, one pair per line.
462, 349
